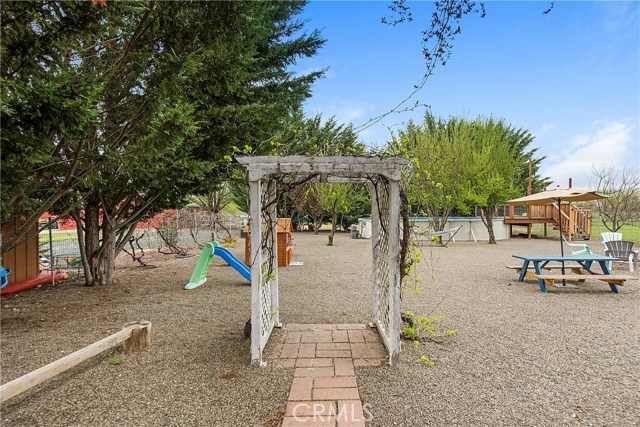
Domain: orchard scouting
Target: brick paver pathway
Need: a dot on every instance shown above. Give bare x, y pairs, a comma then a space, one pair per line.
324, 390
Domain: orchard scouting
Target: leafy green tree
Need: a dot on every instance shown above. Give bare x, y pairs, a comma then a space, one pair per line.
175, 86
459, 164
239, 192
438, 151
520, 139
492, 170
360, 206
334, 199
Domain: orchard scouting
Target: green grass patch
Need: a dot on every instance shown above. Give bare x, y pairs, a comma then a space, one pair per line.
116, 359
629, 232
57, 236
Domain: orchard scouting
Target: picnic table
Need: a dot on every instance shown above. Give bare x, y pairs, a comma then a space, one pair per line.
580, 272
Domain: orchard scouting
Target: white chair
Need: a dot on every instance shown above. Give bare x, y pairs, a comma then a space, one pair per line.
622, 249
610, 236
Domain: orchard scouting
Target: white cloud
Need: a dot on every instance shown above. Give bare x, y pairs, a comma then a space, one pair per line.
613, 144
546, 127
346, 111
620, 17
579, 141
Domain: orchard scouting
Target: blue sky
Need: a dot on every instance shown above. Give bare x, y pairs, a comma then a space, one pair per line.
572, 77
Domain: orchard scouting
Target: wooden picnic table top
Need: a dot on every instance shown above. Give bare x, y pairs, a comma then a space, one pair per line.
559, 258
585, 260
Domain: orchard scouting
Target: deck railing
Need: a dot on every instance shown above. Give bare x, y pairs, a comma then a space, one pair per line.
531, 212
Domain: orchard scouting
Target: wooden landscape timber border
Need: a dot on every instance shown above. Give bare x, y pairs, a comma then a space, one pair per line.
135, 336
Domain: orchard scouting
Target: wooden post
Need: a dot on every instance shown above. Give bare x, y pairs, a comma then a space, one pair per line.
272, 197
375, 238
572, 223
394, 272
255, 209
529, 184
140, 337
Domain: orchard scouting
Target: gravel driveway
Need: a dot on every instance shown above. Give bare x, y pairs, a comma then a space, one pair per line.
519, 357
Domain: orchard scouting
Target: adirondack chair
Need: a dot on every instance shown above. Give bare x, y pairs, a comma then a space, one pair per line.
577, 248
610, 236
623, 249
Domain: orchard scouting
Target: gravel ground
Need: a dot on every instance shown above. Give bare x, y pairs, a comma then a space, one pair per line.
519, 357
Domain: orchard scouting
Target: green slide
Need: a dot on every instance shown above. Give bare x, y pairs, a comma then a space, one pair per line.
210, 250
199, 276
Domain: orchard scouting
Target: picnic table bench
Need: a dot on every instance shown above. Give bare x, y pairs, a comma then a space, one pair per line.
531, 274
615, 279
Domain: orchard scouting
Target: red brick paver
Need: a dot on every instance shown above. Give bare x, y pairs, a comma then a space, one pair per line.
344, 367
301, 389
317, 421
313, 362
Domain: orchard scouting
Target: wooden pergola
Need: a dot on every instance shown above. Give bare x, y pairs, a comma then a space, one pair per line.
384, 174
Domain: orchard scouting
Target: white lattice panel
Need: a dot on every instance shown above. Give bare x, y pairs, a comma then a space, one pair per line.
381, 276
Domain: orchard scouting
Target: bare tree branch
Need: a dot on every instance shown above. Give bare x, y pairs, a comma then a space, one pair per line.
622, 207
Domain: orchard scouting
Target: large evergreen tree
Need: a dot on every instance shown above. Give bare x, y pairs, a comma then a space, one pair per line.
173, 87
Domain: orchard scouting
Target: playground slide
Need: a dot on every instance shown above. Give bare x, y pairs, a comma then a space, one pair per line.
199, 276
234, 262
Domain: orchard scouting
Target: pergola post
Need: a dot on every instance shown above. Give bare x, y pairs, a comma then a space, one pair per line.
273, 212
394, 272
255, 227
375, 236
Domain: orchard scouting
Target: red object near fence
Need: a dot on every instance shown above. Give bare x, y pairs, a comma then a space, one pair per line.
43, 278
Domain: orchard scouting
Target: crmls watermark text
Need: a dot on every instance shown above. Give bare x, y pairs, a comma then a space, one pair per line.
352, 411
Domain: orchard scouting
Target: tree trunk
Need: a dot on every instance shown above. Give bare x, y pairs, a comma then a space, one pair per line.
487, 219
334, 224
100, 251
318, 224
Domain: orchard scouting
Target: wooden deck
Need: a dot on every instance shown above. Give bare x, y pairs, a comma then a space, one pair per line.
576, 219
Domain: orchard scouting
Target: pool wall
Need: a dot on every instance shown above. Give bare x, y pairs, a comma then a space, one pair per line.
473, 229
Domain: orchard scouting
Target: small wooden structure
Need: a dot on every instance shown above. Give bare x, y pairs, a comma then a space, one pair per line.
284, 242
22, 260
135, 336
576, 220
384, 175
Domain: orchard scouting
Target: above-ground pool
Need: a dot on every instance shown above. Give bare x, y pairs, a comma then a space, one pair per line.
473, 229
